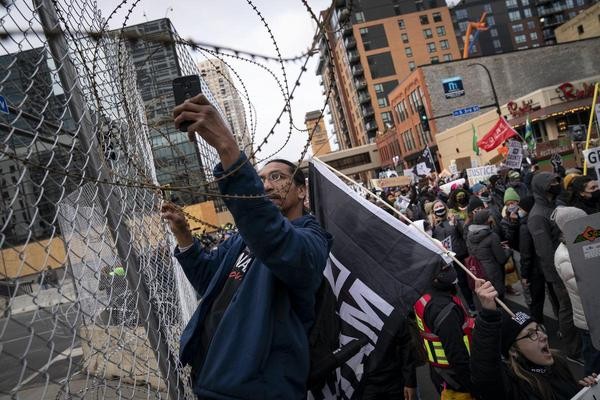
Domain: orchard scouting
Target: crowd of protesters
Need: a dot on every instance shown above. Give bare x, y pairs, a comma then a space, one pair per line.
506, 229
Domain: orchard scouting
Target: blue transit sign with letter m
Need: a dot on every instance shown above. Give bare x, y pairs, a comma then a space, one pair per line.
453, 87
3, 105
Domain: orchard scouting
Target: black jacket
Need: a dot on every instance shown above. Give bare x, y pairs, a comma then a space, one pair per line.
450, 332
492, 379
544, 232
443, 229
511, 231
485, 246
530, 262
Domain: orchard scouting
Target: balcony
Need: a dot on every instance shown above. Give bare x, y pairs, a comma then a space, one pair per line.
371, 126
360, 84
367, 112
543, 11
347, 31
350, 43
364, 98
357, 70
353, 57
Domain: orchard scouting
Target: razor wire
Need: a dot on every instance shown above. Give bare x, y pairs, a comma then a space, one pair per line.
92, 301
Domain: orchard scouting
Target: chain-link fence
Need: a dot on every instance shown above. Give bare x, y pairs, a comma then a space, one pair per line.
92, 303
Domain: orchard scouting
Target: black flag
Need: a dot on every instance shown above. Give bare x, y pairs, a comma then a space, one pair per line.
377, 268
425, 164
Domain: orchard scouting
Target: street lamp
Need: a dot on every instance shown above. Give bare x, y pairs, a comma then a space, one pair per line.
492, 85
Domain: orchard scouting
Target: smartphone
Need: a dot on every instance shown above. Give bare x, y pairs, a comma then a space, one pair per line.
186, 87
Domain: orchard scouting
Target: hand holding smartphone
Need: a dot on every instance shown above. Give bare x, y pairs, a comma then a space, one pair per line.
186, 87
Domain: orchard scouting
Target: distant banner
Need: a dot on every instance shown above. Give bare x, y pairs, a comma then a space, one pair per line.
391, 182
514, 158
481, 174
447, 187
500, 132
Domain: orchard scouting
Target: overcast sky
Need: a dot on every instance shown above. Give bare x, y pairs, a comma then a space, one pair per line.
233, 23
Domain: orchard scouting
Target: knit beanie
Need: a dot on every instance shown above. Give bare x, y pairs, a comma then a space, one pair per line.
526, 203
511, 327
513, 175
481, 217
567, 180
474, 202
562, 215
511, 194
478, 187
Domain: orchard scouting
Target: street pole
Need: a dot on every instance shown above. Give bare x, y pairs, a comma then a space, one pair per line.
109, 199
496, 103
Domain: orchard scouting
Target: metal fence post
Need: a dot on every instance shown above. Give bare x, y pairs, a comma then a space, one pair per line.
109, 199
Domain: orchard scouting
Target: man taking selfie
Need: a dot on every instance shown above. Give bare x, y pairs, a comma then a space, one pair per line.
248, 338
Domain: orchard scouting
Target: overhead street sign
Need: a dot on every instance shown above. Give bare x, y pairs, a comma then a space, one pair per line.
466, 110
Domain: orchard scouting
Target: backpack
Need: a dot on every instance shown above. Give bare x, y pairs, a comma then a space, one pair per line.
473, 265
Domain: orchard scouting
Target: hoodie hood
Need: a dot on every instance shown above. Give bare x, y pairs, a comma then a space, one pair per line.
478, 232
539, 186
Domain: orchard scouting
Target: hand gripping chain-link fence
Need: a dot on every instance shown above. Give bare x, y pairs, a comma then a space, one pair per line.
92, 303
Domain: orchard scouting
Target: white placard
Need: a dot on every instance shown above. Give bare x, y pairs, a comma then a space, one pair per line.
514, 158
481, 173
588, 393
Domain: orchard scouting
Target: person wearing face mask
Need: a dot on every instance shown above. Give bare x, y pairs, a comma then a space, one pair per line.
514, 181
511, 358
445, 329
564, 267
444, 228
458, 202
481, 191
585, 194
546, 186
484, 244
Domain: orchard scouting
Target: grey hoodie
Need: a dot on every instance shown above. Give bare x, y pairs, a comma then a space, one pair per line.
544, 232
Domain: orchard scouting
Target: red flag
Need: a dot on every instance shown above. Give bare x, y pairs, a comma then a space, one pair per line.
500, 132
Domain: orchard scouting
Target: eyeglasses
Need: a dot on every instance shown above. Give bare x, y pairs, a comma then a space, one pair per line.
274, 176
533, 335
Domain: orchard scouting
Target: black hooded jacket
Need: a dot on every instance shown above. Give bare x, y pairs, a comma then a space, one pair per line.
544, 232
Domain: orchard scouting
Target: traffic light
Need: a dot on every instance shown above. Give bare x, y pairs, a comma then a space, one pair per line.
423, 117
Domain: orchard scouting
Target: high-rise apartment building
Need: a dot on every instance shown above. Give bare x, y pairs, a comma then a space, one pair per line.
368, 48
315, 124
158, 59
514, 24
216, 75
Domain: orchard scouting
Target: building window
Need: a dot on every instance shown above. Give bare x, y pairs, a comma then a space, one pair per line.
437, 17
525, 2
530, 24
441, 30
444, 45
580, 29
527, 13
397, 10
386, 117
447, 57
434, 60
359, 17
419, 5
427, 33
401, 24
382, 102
490, 20
463, 26
580, 3
431, 47
487, 8
381, 65
411, 65
363, 31
409, 143
533, 35
494, 32
497, 44
461, 14
517, 28
511, 3
408, 52
573, 14
374, 37
514, 15
520, 39
570, 3
424, 19
404, 38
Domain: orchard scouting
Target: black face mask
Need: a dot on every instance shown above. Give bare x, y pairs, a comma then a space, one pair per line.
595, 196
555, 189
445, 279
462, 201
440, 212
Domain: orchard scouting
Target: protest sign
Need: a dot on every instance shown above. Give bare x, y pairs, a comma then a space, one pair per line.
395, 181
592, 157
447, 243
463, 163
453, 169
588, 393
514, 158
582, 237
447, 187
481, 174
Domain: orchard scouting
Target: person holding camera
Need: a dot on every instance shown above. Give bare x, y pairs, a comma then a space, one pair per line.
248, 338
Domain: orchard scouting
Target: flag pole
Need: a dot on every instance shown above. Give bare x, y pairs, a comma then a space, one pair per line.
589, 130
410, 222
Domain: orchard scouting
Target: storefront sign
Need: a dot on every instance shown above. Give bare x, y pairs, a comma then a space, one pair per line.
481, 174
453, 87
525, 108
568, 91
546, 149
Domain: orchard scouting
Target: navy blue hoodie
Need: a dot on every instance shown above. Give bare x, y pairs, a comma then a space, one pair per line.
260, 347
